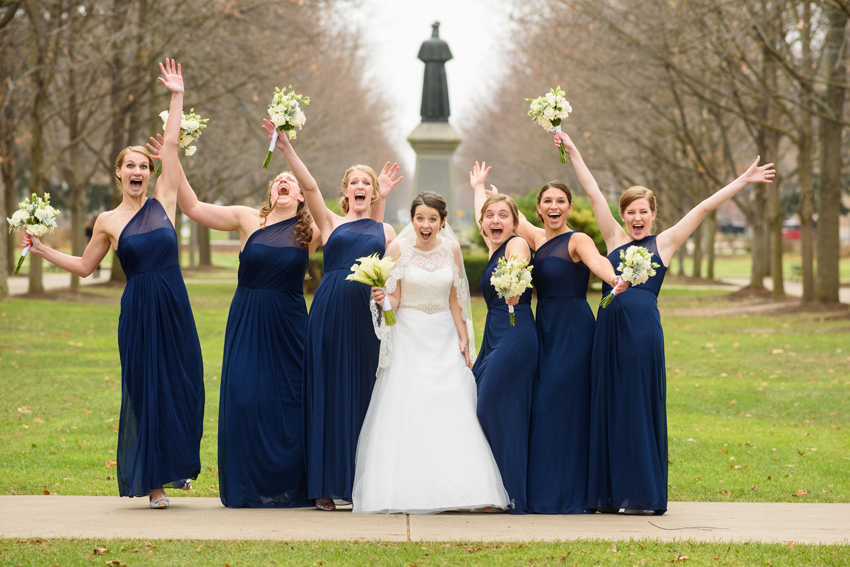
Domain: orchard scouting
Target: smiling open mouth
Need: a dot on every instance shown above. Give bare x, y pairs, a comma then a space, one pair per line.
136, 183
554, 217
637, 228
496, 233
425, 235
360, 197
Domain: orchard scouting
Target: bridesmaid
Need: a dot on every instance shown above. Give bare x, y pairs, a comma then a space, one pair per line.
260, 420
507, 361
560, 403
340, 349
162, 378
628, 427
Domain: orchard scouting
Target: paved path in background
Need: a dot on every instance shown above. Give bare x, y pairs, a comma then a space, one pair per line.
205, 518
19, 285
794, 289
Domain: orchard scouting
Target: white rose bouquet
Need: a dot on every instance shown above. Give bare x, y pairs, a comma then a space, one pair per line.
511, 278
374, 271
37, 217
190, 130
636, 266
286, 114
548, 111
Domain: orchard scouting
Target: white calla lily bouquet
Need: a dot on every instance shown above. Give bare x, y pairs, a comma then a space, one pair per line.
190, 130
375, 271
37, 217
286, 114
511, 278
636, 267
548, 111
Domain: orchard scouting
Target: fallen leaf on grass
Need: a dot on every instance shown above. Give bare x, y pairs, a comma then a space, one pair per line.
46, 492
110, 464
801, 493
792, 545
114, 562
680, 558
149, 544
24, 409
100, 551
86, 410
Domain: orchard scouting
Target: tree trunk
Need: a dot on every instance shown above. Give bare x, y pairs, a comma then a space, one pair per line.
710, 237
697, 236
829, 205
204, 249
7, 169
4, 284
118, 129
754, 219
806, 208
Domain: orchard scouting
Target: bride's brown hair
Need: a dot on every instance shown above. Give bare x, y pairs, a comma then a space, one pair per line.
430, 199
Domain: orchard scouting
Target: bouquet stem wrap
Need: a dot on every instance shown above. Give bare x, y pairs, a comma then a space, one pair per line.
270, 153
606, 301
389, 316
513, 317
564, 157
21, 260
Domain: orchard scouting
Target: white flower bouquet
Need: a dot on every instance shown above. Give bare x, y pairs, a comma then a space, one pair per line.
548, 111
37, 217
286, 114
636, 266
511, 278
190, 130
374, 271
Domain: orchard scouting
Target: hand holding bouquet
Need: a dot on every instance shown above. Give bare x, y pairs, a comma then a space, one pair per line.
548, 111
511, 278
190, 130
286, 114
636, 266
37, 217
375, 272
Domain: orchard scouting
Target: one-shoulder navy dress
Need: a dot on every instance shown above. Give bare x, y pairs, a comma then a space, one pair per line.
628, 415
260, 422
162, 373
504, 372
340, 361
560, 407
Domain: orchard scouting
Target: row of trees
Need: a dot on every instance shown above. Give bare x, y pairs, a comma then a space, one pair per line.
79, 84
679, 96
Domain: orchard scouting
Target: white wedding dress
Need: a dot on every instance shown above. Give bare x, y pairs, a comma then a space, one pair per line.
421, 449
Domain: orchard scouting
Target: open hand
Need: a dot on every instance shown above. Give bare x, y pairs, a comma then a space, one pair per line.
172, 76
478, 175
464, 350
763, 174
155, 147
282, 138
386, 181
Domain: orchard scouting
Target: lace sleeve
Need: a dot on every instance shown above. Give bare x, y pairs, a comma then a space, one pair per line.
461, 284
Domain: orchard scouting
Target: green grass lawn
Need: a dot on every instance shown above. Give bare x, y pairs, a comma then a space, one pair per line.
420, 554
758, 406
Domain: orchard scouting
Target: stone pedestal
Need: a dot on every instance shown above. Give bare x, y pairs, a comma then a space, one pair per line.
435, 143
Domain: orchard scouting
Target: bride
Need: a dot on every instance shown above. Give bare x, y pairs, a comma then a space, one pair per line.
421, 449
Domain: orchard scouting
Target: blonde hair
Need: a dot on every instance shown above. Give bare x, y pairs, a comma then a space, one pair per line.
343, 202
499, 198
119, 161
304, 224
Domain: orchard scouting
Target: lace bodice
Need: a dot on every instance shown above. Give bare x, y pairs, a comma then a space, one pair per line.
428, 276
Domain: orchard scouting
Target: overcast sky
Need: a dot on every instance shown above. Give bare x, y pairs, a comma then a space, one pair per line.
476, 31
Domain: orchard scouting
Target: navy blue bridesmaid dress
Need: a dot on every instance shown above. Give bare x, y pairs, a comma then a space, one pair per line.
560, 406
162, 373
628, 415
504, 372
340, 361
260, 422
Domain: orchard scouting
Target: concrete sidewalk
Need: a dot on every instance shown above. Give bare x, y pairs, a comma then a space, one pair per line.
206, 518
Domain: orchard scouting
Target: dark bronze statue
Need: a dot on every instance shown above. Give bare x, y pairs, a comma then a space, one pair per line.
435, 91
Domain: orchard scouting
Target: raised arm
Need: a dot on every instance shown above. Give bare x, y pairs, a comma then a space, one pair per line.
168, 182
94, 253
670, 240
477, 178
585, 250
216, 217
456, 308
323, 216
534, 235
611, 230
386, 183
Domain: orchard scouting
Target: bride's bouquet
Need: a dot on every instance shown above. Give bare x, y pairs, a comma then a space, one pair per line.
636, 266
37, 217
510, 279
548, 111
286, 114
374, 271
190, 130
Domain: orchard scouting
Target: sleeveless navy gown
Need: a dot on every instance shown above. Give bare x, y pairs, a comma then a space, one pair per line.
340, 361
560, 407
628, 416
162, 374
260, 440
504, 372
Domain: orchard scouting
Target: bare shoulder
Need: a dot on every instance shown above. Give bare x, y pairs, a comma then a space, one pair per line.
580, 238
455, 248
